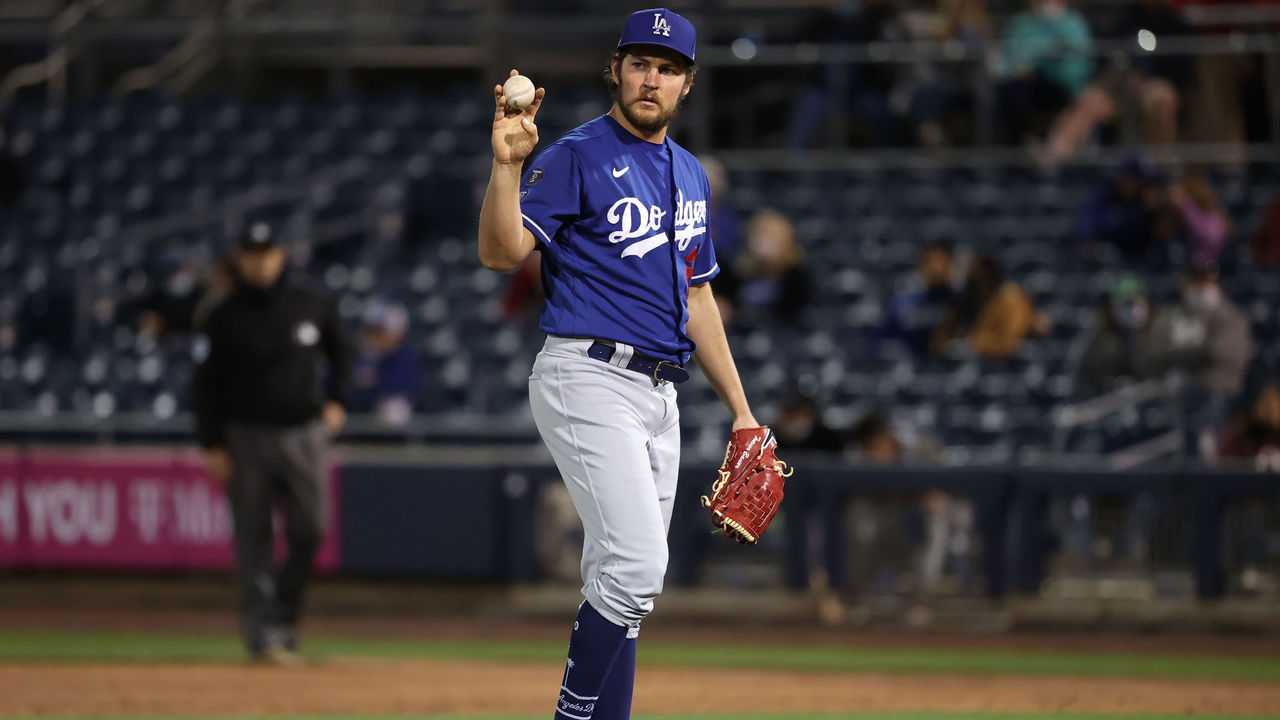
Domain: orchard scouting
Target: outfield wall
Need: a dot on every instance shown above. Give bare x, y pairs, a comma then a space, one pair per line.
393, 516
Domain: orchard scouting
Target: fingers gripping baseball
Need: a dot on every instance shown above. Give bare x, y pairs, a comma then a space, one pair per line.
515, 134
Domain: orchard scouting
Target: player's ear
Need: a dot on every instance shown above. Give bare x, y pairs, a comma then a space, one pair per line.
689, 72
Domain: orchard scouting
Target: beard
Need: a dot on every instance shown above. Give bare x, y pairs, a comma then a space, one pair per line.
650, 123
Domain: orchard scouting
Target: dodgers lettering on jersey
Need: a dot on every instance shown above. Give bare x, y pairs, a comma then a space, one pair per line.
620, 244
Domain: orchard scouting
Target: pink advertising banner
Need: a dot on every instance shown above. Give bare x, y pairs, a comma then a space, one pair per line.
132, 509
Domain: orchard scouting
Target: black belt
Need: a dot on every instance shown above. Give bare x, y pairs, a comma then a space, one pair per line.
658, 370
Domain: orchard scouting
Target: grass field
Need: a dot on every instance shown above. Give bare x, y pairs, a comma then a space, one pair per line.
749, 716
53, 651
769, 716
168, 647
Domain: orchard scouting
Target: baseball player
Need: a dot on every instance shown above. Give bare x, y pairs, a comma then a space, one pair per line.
618, 212
265, 426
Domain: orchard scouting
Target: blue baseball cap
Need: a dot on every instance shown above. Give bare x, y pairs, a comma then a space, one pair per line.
660, 26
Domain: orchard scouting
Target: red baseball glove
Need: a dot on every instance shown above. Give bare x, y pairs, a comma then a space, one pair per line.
746, 496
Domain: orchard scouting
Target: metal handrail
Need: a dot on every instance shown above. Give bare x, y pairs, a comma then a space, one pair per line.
199, 43
243, 202
1140, 454
1095, 409
838, 160
55, 62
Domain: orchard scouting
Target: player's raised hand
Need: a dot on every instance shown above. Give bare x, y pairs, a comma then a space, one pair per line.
514, 133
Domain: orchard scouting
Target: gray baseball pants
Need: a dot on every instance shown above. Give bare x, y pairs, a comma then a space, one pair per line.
275, 468
615, 437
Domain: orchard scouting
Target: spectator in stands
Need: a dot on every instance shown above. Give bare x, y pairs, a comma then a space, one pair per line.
1120, 336
722, 219
912, 315
13, 174
993, 315
873, 440
1265, 241
523, 297
877, 440
170, 308
1255, 433
948, 521
866, 87
1150, 84
800, 426
1229, 103
942, 103
387, 372
768, 280
183, 300
1129, 211
1206, 222
8, 330
1205, 338
1046, 65
1253, 437
220, 282
47, 317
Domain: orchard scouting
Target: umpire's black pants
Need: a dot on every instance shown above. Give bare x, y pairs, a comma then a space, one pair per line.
284, 468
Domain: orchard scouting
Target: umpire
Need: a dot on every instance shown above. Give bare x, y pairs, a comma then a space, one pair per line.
269, 393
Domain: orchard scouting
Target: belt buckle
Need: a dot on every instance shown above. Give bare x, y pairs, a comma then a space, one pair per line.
657, 367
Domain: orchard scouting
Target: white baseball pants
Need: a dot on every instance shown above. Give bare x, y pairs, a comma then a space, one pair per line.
615, 437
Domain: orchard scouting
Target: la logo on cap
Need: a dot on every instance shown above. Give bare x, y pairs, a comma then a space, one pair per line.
660, 26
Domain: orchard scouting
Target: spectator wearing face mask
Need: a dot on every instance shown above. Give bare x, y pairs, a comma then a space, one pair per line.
1205, 338
1120, 334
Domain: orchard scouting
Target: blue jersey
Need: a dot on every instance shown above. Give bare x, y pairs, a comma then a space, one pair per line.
622, 226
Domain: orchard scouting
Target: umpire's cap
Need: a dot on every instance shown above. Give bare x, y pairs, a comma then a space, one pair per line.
258, 236
660, 26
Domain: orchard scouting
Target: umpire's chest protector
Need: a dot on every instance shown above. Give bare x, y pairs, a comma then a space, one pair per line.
622, 225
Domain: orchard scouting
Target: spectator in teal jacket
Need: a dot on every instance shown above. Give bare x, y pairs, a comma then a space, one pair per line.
1047, 62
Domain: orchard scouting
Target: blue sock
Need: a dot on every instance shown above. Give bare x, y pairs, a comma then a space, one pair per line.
615, 696
593, 646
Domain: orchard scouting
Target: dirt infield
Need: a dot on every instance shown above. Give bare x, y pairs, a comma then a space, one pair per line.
352, 686
348, 685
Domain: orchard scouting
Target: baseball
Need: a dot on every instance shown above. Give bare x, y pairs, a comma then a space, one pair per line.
519, 91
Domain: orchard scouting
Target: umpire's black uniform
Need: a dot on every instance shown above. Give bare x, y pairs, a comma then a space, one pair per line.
276, 355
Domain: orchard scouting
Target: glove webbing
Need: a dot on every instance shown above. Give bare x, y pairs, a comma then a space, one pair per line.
779, 466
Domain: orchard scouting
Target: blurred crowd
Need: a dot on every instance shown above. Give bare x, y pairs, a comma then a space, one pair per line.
1036, 69
1057, 77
